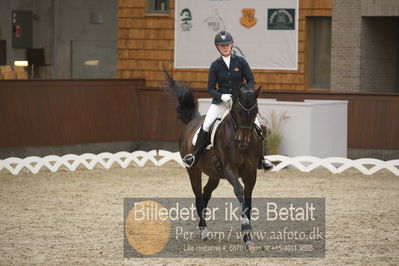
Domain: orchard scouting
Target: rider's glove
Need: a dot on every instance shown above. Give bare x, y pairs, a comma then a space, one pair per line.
226, 98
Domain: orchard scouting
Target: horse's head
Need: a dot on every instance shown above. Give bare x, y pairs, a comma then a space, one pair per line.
243, 113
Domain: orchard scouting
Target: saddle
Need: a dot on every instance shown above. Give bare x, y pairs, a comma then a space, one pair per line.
212, 130
214, 127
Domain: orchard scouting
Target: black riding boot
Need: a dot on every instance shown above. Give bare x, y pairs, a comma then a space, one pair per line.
263, 163
202, 141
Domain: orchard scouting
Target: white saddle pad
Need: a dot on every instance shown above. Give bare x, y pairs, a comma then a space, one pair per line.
214, 129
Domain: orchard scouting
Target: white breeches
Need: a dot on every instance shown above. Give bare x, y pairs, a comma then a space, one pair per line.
214, 111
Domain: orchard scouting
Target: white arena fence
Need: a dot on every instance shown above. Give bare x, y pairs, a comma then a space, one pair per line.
71, 162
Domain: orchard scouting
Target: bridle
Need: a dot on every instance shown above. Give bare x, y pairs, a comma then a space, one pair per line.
248, 110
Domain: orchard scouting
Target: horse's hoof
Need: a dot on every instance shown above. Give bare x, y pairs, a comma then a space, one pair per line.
204, 233
251, 246
250, 243
247, 240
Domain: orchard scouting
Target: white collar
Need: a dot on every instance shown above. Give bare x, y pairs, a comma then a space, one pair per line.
226, 59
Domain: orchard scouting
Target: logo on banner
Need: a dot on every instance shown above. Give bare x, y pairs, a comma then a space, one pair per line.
248, 17
186, 18
215, 22
281, 19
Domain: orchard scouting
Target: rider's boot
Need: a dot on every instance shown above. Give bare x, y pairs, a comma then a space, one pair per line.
263, 163
202, 141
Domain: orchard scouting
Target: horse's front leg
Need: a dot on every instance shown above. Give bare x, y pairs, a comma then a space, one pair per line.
231, 175
249, 184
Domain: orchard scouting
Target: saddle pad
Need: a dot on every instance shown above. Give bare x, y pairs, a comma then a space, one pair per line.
213, 129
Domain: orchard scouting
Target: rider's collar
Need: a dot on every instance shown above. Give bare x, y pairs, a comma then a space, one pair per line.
221, 56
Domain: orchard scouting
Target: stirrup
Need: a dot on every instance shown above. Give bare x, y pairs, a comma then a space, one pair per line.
186, 158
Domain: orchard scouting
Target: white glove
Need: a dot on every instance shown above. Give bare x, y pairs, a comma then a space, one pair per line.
226, 98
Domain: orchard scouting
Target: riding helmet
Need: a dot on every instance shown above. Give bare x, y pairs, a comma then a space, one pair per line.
223, 37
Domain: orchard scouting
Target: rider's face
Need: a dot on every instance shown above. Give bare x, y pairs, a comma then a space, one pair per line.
225, 49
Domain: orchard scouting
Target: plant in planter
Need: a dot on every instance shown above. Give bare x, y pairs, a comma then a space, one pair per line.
273, 131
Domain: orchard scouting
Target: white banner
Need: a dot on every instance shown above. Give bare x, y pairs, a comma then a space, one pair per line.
265, 32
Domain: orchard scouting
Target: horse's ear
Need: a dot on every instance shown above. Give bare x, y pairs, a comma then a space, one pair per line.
258, 91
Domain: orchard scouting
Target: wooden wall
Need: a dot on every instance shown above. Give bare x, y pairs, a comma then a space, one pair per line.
145, 42
59, 112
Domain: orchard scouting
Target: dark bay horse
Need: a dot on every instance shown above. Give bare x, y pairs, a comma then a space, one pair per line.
235, 154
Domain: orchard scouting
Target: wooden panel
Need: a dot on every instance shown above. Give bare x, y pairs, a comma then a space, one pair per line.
57, 112
158, 117
130, 12
131, 3
148, 44
151, 54
315, 4
149, 34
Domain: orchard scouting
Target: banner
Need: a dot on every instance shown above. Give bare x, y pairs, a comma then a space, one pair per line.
265, 32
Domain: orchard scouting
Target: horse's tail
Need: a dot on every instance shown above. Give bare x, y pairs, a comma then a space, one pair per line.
187, 108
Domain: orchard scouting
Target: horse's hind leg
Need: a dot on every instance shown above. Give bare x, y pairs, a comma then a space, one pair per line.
196, 184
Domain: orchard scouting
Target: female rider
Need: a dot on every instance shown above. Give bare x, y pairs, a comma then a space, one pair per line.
228, 72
